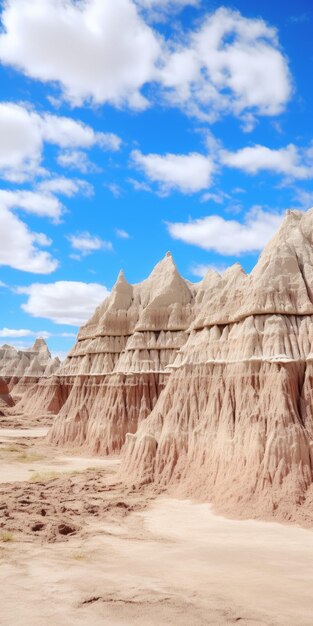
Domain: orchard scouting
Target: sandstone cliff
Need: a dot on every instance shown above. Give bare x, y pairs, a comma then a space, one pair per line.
21, 369
116, 371
235, 421
210, 385
5, 399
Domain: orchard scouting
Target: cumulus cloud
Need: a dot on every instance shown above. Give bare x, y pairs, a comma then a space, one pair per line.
106, 52
66, 186
303, 198
23, 332
229, 237
158, 10
186, 173
77, 160
63, 302
167, 3
201, 269
289, 161
24, 132
68, 133
225, 68
20, 247
86, 243
37, 203
99, 51
122, 234
21, 142
218, 197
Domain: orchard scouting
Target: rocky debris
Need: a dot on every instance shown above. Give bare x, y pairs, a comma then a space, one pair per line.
55, 509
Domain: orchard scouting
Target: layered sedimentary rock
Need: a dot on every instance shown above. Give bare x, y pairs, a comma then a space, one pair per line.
235, 422
21, 369
116, 371
6, 400
209, 384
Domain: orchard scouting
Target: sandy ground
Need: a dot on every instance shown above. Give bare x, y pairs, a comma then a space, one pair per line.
136, 559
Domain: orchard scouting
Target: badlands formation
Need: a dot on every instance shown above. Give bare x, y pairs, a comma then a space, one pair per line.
22, 369
5, 397
206, 388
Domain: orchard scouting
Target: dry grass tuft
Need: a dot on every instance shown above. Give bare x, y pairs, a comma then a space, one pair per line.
5, 536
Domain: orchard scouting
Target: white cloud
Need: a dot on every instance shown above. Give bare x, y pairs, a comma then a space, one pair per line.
87, 243
23, 332
99, 51
41, 204
105, 52
21, 142
288, 161
139, 185
68, 133
225, 68
19, 245
187, 173
201, 269
122, 234
24, 132
10, 332
218, 197
229, 237
115, 189
77, 160
167, 3
158, 10
66, 186
303, 198
63, 302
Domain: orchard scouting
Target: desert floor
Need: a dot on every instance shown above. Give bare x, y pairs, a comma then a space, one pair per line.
77, 548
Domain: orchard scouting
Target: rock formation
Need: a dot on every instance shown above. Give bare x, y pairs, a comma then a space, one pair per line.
5, 399
209, 384
115, 373
21, 369
235, 421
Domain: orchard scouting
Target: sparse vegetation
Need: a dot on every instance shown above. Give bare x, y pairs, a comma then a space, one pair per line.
79, 556
6, 536
29, 458
11, 448
44, 477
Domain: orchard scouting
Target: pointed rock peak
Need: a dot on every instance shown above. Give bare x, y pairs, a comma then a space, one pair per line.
165, 266
234, 270
121, 284
40, 344
121, 278
211, 275
165, 285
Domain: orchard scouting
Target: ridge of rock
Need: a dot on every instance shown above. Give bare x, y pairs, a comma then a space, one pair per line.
20, 369
209, 386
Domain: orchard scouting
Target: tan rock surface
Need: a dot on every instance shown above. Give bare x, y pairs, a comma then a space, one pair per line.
116, 371
209, 384
235, 422
5, 397
21, 369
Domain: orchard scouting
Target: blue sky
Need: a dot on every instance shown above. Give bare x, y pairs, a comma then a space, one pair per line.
131, 128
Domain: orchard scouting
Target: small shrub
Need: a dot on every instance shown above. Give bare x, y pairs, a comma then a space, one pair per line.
6, 535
